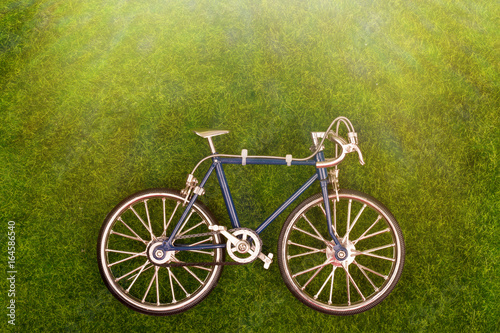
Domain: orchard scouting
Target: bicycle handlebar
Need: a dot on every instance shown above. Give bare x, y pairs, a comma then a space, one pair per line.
346, 148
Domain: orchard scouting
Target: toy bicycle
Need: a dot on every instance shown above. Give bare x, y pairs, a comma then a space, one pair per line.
341, 252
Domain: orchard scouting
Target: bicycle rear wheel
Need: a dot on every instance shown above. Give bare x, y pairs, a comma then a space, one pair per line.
375, 247
126, 237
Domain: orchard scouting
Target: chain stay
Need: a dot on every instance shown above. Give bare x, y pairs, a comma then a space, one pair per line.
184, 264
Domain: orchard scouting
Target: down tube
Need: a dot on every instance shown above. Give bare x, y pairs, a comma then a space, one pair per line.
287, 203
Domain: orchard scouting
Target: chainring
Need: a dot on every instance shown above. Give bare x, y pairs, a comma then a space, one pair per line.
247, 249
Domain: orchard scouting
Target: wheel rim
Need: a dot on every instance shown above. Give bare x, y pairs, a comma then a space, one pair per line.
131, 232
365, 277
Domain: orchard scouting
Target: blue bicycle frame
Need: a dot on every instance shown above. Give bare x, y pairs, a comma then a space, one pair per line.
217, 163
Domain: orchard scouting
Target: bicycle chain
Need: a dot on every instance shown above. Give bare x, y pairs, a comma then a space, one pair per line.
212, 233
184, 264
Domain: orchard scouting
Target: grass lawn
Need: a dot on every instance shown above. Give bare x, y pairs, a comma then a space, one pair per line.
98, 99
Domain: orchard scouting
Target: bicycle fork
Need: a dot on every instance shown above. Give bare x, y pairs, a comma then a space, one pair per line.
341, 252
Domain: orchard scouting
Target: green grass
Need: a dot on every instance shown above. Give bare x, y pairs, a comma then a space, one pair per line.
97, 100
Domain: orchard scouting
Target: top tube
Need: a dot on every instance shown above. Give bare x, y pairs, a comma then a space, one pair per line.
264, 161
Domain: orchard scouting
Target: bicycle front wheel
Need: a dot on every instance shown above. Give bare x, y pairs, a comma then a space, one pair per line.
375, 246
127, 239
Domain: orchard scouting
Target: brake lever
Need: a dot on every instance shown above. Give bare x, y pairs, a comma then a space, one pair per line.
354, 147
361, 160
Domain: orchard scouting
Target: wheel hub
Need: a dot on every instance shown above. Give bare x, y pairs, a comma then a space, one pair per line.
346, 255
159, 256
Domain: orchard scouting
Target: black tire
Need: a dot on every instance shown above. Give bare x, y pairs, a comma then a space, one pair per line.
375, 259
132, 278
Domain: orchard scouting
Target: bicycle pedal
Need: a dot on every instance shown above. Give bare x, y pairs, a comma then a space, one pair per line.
268, 260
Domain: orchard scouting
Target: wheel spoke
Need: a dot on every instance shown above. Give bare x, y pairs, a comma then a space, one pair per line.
348, 285
150, 284
334, 217
203, 252
192, 228
379, 248
310, 269
123, 260
322, 209
304, 254
127, 252
166, 224
331, 276
308, 233
375, 288
319, 236
364, 268
127, 274
305, 246
149, 220
199, 267
203, 268
142, 221
312, 277
349, 276
137, 275
200, 242
112, 232
364, 233
184, 224
180, 285
157, 287
346, 236
355, 220
171, 285
145, 269
193, 275
165, 216
331, 285
357, 253
129, 228
374, 234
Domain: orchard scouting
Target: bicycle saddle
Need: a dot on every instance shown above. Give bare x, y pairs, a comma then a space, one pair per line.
208, 133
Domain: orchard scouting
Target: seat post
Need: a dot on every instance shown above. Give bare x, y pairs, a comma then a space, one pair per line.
212, 147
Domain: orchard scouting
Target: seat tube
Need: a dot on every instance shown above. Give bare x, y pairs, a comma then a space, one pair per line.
323, 179
226, 193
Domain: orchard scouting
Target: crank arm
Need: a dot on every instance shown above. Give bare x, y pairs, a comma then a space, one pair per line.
223, 230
